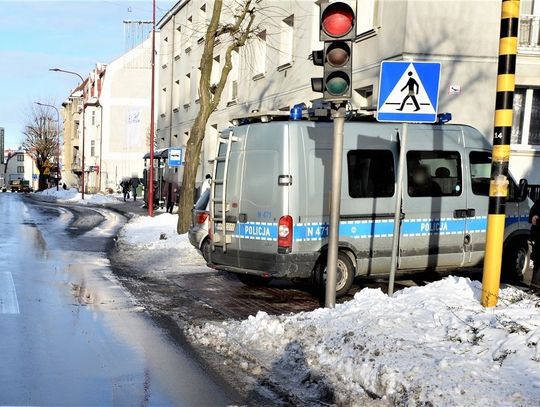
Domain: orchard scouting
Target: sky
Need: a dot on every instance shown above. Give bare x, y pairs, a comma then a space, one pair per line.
72, 35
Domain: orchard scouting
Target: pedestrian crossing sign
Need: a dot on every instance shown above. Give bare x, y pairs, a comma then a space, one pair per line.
408, 91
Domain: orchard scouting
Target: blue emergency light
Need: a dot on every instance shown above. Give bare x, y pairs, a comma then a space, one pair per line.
296, 111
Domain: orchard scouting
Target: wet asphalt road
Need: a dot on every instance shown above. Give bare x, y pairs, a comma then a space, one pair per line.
69, 333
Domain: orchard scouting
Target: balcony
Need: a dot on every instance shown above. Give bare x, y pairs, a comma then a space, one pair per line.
529, 34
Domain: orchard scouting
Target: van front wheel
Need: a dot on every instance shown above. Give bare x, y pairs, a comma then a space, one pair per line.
515, 262
344, 278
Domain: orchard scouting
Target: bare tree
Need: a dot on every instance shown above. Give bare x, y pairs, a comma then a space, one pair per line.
235, 35
40, 140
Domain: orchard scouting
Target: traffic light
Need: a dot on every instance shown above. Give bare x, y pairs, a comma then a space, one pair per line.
337, 30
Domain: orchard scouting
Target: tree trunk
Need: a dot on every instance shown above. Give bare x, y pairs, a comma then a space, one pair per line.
42, 182
187, 190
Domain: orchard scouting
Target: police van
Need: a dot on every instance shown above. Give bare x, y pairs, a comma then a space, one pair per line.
270, 201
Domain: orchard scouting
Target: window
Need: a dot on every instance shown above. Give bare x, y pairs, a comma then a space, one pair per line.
371, 173
234, 90
20, 169
233, 76
93, 117
92, 148
534, 129
526, 122
287, 41
366, 20
481, 175
434, 173
258, 59
20, 157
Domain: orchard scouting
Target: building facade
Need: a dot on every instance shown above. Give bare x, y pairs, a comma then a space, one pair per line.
273, 71
115, 101
20, 166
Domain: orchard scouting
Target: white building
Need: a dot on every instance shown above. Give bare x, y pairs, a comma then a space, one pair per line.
20, 166
273, 71
116, 120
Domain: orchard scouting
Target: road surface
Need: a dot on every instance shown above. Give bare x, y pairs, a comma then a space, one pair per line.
69, 333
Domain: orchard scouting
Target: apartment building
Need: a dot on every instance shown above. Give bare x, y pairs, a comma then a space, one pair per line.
115, 101
273, 71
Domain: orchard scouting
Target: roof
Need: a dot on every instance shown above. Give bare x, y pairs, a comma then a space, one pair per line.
161, 153
174, 9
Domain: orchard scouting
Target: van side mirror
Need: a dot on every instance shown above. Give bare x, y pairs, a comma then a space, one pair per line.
523, 189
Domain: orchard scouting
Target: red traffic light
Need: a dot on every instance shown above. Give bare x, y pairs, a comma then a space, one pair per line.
337, 19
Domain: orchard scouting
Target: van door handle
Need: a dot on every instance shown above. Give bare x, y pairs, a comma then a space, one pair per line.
471, 213
460, 213
242, 217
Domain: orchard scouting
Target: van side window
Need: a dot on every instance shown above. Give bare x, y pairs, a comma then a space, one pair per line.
481, 175
371, 173
434, 173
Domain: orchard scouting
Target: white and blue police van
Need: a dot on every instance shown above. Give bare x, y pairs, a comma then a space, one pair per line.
270, 201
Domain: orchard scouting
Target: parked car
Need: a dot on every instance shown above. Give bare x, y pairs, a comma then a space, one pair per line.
271, 218
198, 233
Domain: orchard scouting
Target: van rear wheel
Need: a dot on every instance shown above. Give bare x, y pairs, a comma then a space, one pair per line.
253, 281
514, 261
344, 278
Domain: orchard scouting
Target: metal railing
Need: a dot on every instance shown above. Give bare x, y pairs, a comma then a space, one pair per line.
529, 33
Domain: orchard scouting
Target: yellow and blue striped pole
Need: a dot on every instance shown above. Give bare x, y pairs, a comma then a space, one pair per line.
498, 190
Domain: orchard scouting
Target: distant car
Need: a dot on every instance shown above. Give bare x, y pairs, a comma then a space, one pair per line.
198, 233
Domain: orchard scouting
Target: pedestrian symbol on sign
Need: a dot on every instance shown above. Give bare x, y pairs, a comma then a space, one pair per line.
411, 84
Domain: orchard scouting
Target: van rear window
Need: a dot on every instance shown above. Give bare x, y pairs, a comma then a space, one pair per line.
371, 173
434, 173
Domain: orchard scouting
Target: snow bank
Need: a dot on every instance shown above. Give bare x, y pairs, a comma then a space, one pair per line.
73, 196
159, 234
431, 345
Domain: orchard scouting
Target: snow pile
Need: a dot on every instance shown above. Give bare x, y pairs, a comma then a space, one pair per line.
72, 195
431, 345
158, 234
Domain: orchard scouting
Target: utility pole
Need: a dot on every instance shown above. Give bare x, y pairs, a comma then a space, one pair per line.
82, 119
150, 180
498, 188
57, 140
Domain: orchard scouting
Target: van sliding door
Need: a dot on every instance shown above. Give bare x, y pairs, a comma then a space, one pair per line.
434, 204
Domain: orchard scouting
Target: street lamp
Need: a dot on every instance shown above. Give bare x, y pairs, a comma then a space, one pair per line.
82, 158
57, 139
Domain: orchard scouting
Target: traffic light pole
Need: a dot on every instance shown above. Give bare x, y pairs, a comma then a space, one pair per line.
397, 215
335, 204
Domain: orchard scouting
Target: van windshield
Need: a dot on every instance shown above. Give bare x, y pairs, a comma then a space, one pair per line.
481, 175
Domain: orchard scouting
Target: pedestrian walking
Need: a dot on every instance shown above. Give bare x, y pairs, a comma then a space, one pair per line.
534, 219
171, 192
126, 186
134, 184
206, 184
